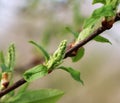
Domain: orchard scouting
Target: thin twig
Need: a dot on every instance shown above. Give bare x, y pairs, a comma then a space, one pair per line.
80, 44
90, 37
83, 42
14, 86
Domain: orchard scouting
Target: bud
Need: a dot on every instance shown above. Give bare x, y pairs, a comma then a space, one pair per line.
4, 81
107, 24
57, 57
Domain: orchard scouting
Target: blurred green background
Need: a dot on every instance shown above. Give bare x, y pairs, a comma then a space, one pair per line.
45, 21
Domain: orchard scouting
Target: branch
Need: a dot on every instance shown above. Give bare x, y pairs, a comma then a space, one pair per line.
83, 42
90, 37
14, 86
67, 54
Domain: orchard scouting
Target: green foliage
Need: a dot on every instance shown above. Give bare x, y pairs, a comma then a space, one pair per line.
92, 23
11, 57
107, 12
57, 58
51, 63
60, 52
38, 96
2, 58
74, 73
99, 1
84, 33
102, 39
113, 3
8, 65
45, 53
104, 11
80, 54
35, 73
4, 68
23, 88
2, 62
75, 34
54, 61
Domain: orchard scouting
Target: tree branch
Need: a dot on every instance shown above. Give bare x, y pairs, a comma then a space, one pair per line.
90, 37
67, 54
83, 42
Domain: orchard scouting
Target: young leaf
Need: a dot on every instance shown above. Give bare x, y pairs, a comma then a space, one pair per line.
89, 22
74, 73
2, 59
35, 73
38, 96
114, 3
11, 57
4, 68
99, 1
45, 54
102, 39
104, 11
2, 63
83, 34
75, 34
80, 54
57, 57
98, 14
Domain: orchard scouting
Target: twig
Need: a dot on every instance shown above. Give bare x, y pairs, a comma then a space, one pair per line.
67, 54
90, 37
83, 42
14, 86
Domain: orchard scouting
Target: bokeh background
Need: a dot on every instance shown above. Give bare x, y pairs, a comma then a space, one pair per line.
45, 21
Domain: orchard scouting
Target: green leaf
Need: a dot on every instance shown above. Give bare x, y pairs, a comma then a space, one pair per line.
2, 63
99, 1
98, 14
89, 22
114, 3
80, 54
4, 68
23, 88
74, 73
35, 73
38, 96
104, 11
102, 39
45, 54
83, 34
2, 59
11, 57
75, 34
